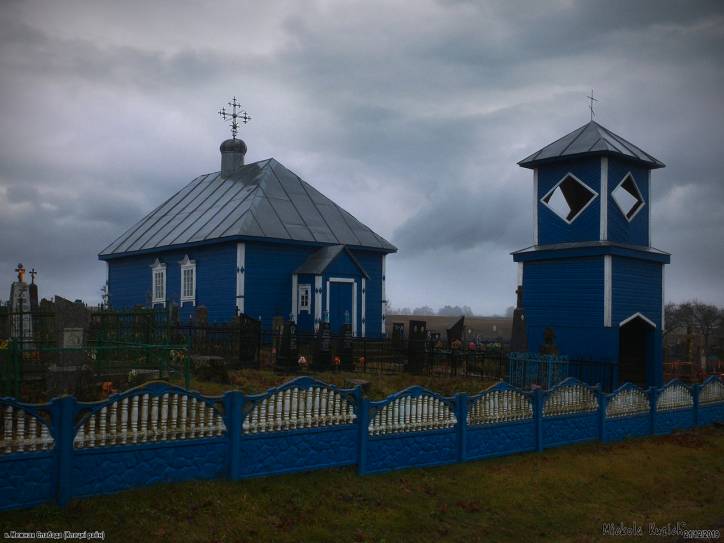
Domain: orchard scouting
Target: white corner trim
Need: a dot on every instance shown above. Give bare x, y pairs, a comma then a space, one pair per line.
317, 301
604, 199
364, 307
519, 277
240, 276
384, 293
638, 190
188, 264
580, 212
651, 209
354, 298
607, 289
637, 315
295, 298
535, 206
663, 296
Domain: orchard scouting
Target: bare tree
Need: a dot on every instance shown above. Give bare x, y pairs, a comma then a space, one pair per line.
705, 318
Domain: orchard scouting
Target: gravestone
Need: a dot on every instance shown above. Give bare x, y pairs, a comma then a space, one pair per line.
417, 347
519, 337
345, 349
323, 355
455, 332
249, 339
398, 335
72, 371
288, 350
21, 321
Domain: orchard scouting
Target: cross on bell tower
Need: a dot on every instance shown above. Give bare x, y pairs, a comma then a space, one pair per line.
237, 114
592, 99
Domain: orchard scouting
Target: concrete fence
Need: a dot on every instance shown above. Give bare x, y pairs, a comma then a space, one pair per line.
156, 433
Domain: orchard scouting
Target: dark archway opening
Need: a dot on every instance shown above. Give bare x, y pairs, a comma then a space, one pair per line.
634, 346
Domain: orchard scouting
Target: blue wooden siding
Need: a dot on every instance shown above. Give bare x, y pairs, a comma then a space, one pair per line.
567, 295
586, 227
636, 289
268, 279
130, 280
372, 263
267, 284
620, 229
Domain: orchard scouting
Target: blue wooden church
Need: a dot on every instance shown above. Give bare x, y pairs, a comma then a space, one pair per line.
591, 276
253, 239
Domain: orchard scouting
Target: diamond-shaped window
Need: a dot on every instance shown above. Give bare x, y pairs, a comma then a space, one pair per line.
569, 197
628, 197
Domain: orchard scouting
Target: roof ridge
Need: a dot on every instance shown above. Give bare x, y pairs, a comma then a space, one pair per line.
291, 200
304, 186
584, 127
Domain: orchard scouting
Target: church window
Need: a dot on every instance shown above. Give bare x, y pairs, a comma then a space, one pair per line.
304, 297
569, 197
158, 288
188, 280
628, 197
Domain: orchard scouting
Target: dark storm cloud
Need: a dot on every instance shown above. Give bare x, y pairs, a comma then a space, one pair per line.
410, 115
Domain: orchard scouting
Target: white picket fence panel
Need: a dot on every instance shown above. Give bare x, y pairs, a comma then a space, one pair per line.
144, 418
296, 408
569, 400
412, 414
676, 396
22, 432
711, 392
628, 403
500, 406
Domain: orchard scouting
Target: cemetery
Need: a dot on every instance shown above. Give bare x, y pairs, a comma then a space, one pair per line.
207, 299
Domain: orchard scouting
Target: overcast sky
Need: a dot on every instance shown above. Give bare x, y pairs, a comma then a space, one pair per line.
410, 115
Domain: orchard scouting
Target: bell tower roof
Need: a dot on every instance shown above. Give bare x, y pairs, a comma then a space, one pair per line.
590, 139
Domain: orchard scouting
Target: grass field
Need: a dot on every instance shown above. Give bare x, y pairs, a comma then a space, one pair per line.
559, 495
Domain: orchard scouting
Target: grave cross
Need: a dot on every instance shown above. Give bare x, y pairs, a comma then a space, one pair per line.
21, 272
235, 116
33, 273
592, 99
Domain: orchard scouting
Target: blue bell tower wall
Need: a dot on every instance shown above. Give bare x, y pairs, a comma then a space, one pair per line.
620, 229
586, 227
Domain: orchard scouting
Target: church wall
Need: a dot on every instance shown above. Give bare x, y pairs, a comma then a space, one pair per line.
130, 280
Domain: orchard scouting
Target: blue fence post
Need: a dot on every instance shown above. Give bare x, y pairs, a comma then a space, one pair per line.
538, 413
602, 402
461, 413
695, 390
63, 413
234, 406
363, 421
653, 394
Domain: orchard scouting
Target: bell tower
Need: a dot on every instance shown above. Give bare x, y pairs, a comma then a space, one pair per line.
591, 274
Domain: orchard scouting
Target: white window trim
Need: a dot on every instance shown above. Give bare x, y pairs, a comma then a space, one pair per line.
639, 315
156, 267
354, 298
302, 289
638, 190
187, 264
580, 212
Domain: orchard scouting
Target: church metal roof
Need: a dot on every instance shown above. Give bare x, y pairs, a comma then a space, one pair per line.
590, 139
263, 200
318, 261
